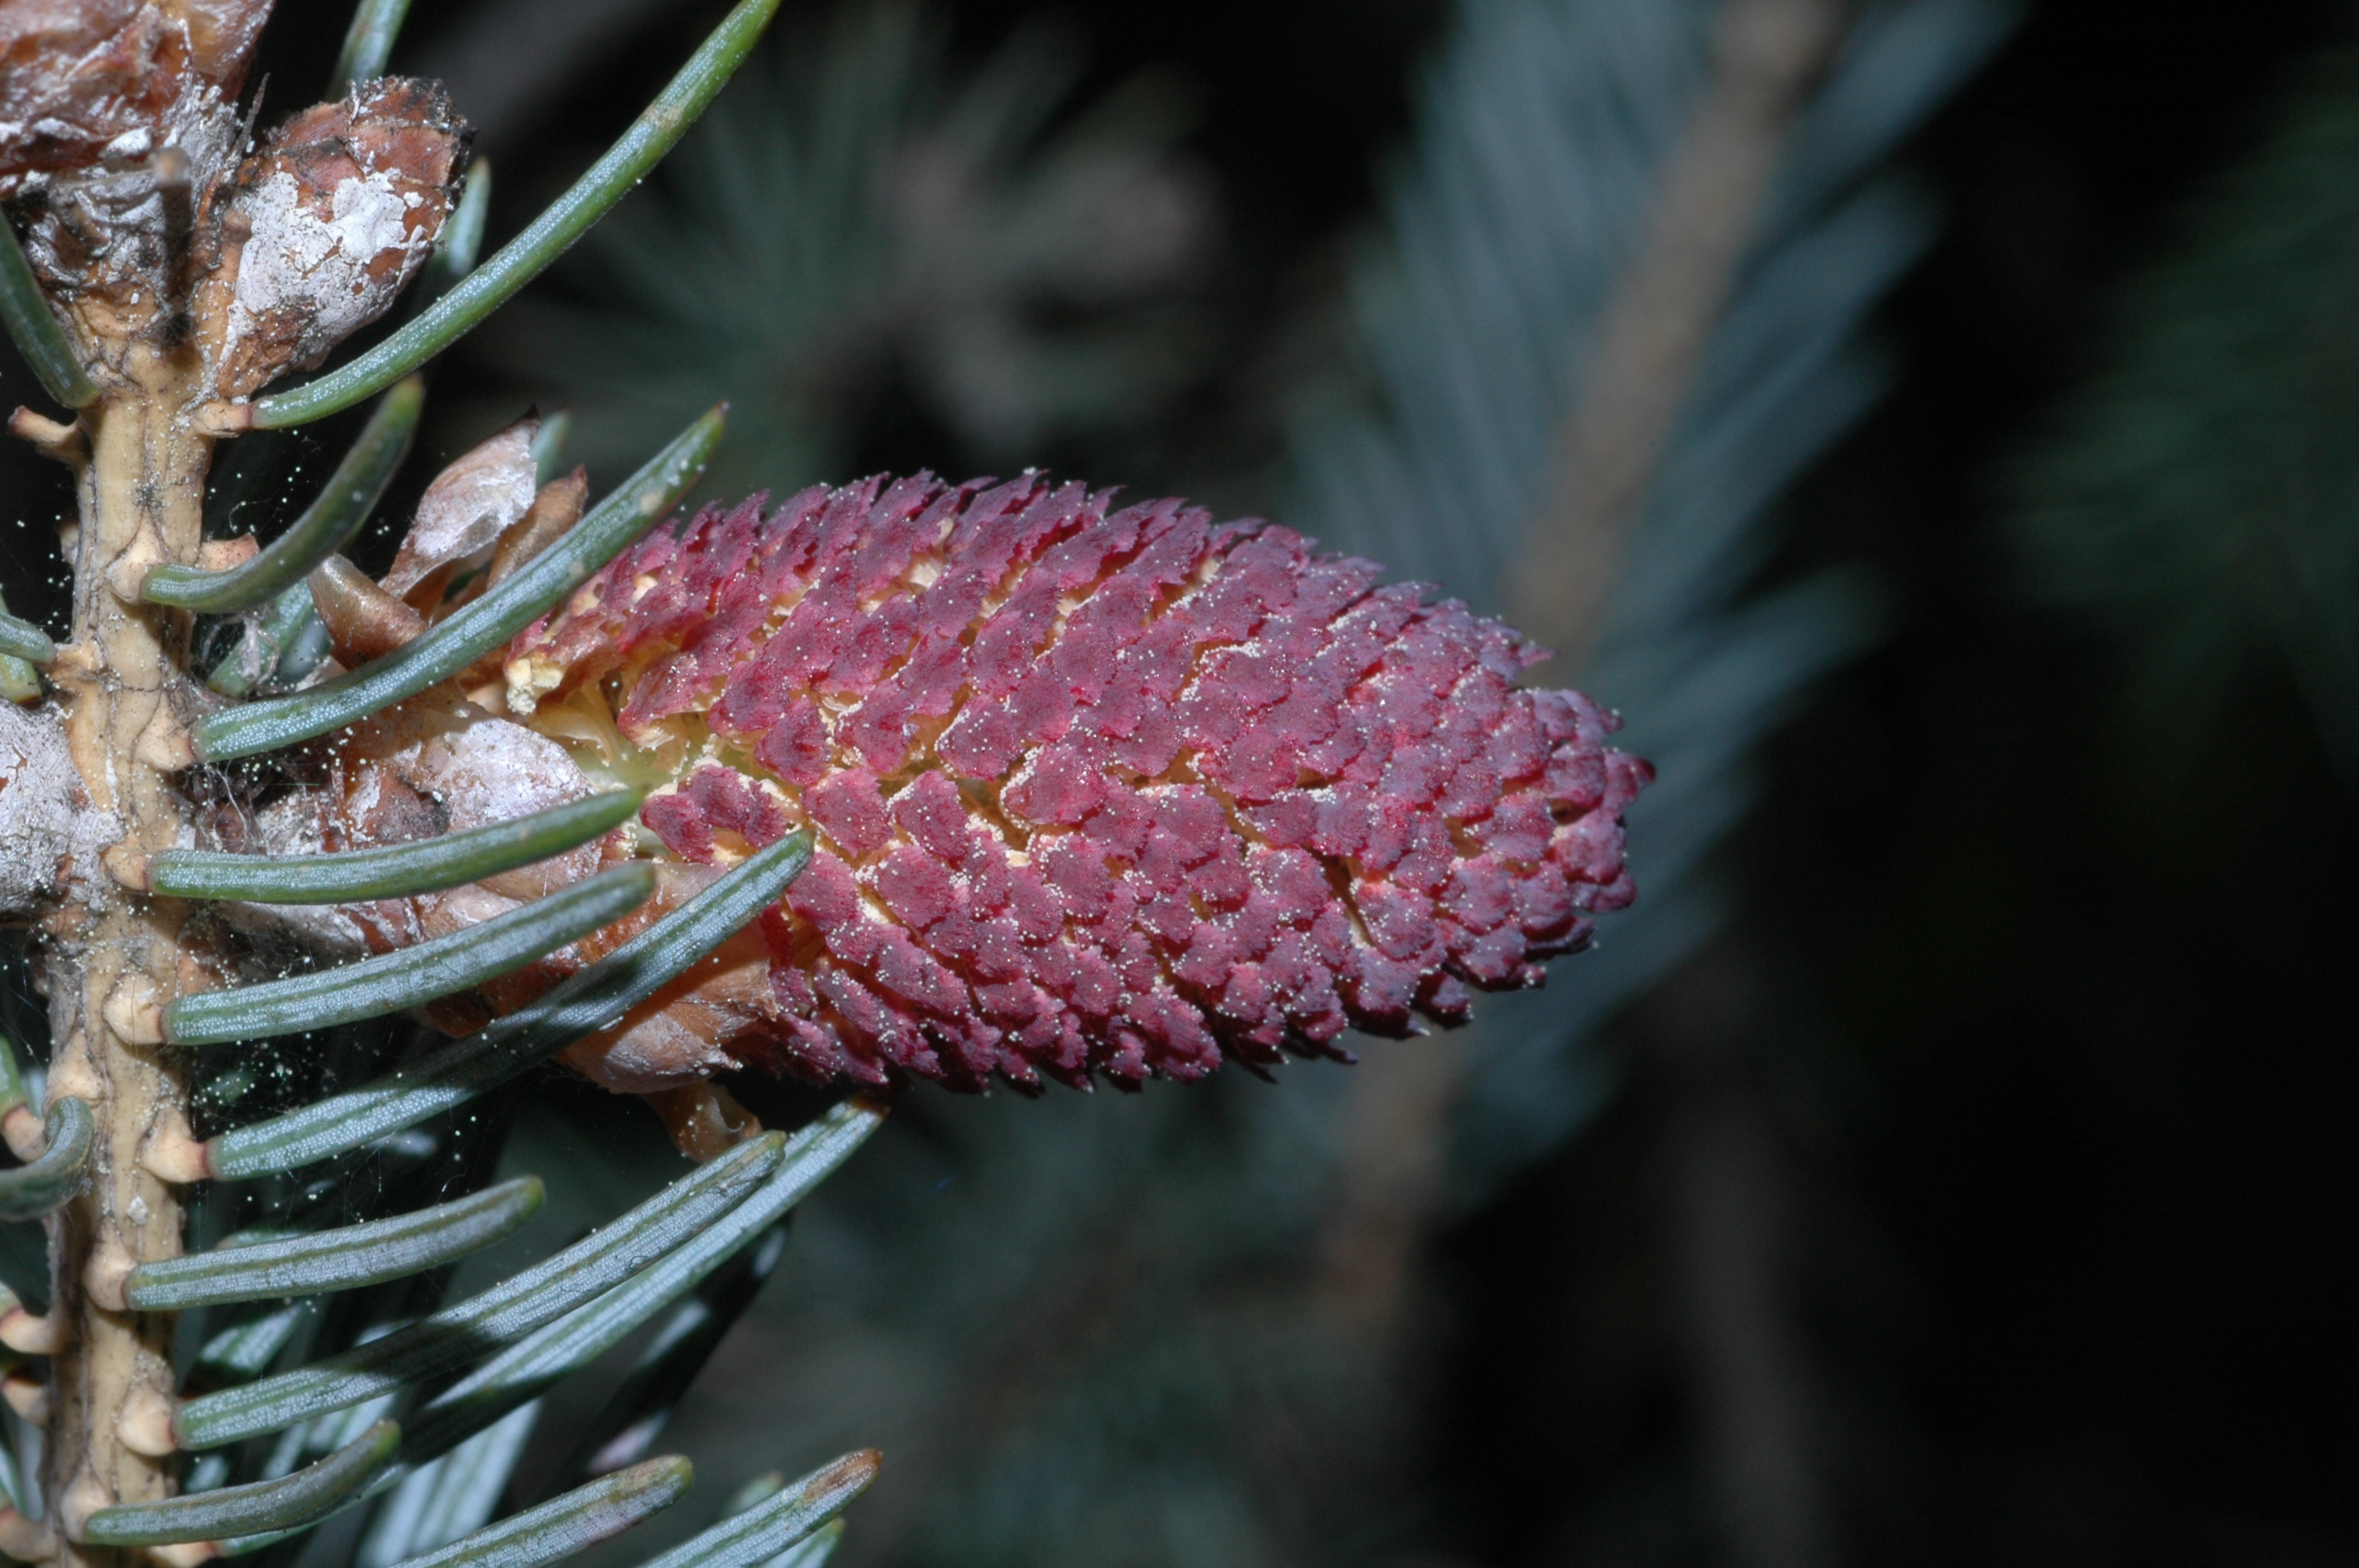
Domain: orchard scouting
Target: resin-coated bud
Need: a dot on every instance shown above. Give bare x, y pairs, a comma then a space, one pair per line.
1099, 793
323, 226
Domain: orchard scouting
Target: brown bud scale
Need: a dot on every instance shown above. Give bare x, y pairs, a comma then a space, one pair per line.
322, 227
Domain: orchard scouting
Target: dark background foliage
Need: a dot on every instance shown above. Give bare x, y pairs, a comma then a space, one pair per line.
2046, 1001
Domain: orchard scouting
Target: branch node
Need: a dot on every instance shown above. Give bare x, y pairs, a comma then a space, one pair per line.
84, 1498
145, 1423
134, 1010
62, 442
26, 1134
172, 1153
25, 1540
108, 1274
164, 744
223, 555
126, 862
28, 1336
223, 419
26, 1395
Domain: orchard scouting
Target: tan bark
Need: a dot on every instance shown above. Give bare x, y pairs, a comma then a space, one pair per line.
114, 957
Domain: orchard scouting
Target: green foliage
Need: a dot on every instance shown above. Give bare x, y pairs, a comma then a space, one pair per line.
847, 219
281, 1503
19, 682
442, 1505
462, 238
2198, 496
563, 1526
13, 1091
1103, 1330
412, 977
367, 43
796, 1511
635, 1412
532, 1365
393, 870
244, 1270
491, 1320
443, 1080
22, 640
455, 643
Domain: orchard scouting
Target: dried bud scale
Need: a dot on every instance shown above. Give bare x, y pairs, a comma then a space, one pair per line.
1100, 793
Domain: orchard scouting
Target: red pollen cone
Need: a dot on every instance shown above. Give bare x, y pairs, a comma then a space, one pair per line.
1096, 793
